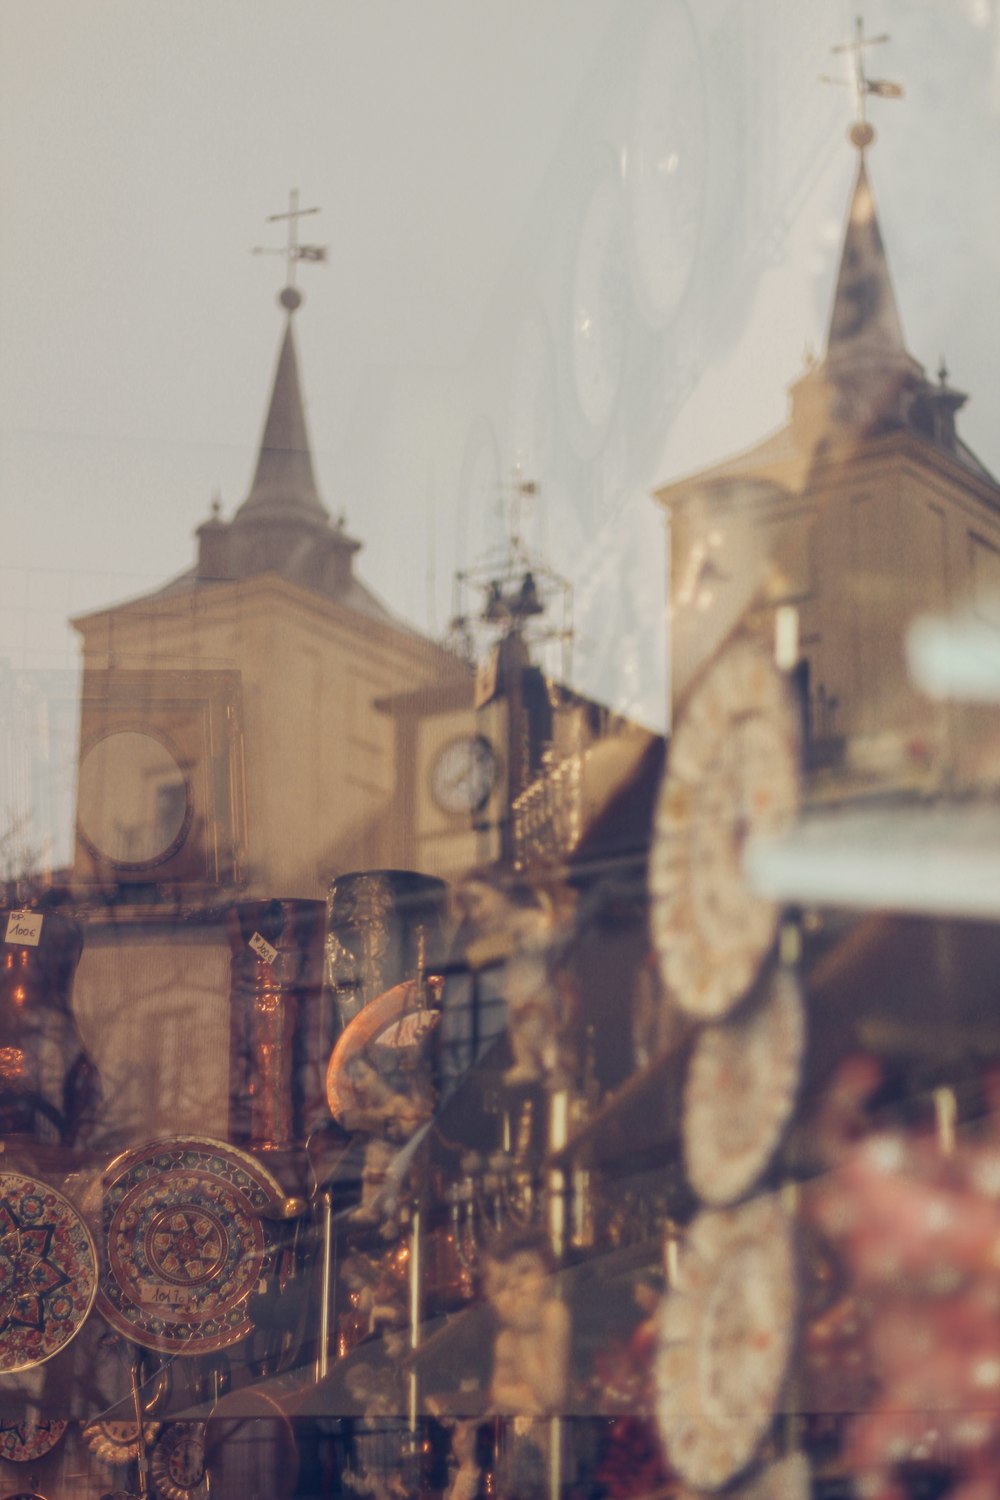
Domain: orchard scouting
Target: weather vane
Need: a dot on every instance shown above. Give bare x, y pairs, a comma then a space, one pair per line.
293, 251
861, 133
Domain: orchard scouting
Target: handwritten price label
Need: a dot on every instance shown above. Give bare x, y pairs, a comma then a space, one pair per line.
24, 928
263, 948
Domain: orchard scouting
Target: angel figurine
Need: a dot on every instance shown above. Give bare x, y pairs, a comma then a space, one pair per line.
531, 1354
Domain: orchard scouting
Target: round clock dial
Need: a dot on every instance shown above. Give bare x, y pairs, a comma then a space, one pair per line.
117, 1442
732, 772
601, 303
740, 1091
178, 1461
725, 1339
133, 800
464, 774
667, 162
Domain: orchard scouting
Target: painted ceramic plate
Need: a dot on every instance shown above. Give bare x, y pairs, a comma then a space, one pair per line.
732, 772
30, 1439
740, 1091
725, 1340
184, 1243
116, 1442
178, 1461
48, 1272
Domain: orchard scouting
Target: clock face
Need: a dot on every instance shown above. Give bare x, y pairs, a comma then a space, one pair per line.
160, 789
725, 1339
732, 772
133, 799
740, 1090
464, 774
602, 299
667, 163
178, 1463
117, 1442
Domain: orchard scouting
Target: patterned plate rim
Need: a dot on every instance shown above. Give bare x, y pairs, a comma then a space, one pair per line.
45, 1188
116, 1171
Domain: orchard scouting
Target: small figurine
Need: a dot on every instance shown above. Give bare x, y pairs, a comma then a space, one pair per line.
512, 926
532, 1017
466, 1479
373, 1209
531, 1354
378, 1437
382, 1106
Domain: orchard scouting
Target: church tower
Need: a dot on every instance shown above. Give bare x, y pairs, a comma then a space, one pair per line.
231, 737
864, 512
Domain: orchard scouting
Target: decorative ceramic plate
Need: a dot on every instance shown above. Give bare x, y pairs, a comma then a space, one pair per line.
48, 1272
30, 1439
117, 1442
725, 1340
732, 772
178, 1461
740, 1092
184, 1243
393, 1019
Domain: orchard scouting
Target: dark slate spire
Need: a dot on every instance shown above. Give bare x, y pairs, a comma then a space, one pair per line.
284, 485
867, 381
283, 527
867, 378
865, 321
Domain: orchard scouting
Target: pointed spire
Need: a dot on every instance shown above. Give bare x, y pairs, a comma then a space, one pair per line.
867, 377
865, 319
284, 485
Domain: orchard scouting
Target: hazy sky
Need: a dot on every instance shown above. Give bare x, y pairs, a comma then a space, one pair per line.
592, 235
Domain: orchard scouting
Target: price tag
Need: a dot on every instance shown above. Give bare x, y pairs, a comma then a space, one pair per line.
262, 948
25, 928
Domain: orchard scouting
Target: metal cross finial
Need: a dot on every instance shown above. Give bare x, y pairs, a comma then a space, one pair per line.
861, 133
293, 252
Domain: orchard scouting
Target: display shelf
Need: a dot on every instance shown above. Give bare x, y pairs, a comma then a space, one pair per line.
635, 1122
